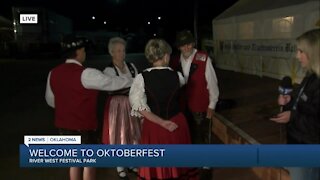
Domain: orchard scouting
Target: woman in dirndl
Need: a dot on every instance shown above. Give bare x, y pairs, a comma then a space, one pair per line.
154, 96
119, 127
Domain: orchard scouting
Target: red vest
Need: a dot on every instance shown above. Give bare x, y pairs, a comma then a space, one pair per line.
196, 92
75, 106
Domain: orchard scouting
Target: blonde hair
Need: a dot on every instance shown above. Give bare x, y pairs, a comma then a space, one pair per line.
115, 40
309, 43
156, 49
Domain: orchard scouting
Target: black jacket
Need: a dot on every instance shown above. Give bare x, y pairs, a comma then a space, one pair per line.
304, 124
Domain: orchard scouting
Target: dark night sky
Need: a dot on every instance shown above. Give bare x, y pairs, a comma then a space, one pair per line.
129, 15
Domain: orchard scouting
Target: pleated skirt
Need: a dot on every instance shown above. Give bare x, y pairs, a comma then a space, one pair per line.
119, 127
155, 134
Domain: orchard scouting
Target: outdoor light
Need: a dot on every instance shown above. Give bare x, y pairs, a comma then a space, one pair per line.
104, 22
149, 22
159, 18
289, 19
93, 17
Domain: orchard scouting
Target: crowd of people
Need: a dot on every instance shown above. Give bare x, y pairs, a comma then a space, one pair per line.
172, 102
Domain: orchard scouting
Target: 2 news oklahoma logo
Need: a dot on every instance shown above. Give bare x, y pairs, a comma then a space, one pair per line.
28, 18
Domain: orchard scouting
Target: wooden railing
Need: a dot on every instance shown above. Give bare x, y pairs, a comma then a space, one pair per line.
229, 133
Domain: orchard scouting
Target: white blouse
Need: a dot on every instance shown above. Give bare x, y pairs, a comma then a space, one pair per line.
111, 72
137, 95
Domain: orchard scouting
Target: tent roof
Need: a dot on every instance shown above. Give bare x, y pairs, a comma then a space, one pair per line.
252, 6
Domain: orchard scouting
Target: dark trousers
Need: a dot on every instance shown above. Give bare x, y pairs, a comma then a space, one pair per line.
198, 126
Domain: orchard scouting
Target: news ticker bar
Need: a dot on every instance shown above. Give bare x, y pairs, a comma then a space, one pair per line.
170, 155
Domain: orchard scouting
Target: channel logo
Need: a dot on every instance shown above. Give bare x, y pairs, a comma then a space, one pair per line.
28, 18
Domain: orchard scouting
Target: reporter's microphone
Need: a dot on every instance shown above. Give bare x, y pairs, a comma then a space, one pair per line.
285, 88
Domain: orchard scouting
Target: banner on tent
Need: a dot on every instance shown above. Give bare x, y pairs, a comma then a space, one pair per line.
274, 48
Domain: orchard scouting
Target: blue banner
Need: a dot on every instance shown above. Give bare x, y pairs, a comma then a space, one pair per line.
169, 155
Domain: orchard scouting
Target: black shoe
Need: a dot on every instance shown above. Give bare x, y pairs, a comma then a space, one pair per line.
133, 170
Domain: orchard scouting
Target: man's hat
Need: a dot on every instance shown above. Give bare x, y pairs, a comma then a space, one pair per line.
72, 42
184, 37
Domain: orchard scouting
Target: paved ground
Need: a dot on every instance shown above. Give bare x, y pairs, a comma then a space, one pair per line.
23, 111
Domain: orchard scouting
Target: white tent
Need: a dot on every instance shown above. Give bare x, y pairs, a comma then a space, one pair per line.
258, 36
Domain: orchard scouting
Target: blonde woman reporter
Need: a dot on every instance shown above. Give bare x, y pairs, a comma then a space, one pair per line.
301, 110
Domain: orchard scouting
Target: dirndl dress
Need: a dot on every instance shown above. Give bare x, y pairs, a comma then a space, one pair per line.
119, 127
153, 133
